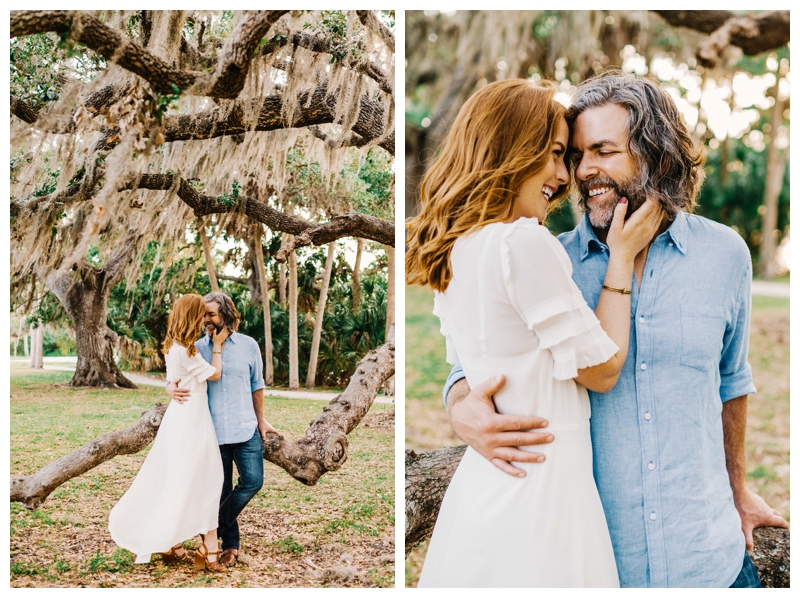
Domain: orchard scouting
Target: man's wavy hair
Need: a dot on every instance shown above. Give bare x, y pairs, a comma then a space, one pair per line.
670, 165
227, 310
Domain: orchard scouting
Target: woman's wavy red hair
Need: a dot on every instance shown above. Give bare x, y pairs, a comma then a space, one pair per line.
185, 323
502, 135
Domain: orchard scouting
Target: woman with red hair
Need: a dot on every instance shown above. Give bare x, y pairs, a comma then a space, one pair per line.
176, 493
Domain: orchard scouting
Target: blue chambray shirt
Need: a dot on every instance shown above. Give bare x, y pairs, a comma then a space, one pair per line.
659, 459
230, 398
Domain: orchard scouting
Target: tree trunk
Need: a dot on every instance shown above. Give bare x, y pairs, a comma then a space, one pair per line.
282, 277
212, 271
27, 344
357, 276
323, 298
323, 447
37, 347
19, 336
390, 288
429, 473
390, 296
776, 167
269, 376
294, 361
84, 299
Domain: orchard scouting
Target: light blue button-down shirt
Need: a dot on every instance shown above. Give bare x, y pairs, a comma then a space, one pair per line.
659, 459
230, 398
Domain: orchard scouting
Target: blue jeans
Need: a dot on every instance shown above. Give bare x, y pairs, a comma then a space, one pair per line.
748, 576
249, 459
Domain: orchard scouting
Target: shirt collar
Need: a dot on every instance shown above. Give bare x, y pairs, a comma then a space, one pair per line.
678, 232
231, 338
587, 237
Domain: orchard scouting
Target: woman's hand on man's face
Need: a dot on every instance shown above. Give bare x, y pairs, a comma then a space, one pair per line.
219, 337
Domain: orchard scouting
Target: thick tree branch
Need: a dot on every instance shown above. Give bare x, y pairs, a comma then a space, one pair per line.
226, 81
107, 42
318, 109
428, 475
352, 224
370, 20
323, 448
753, 32
349, 140
32, 490
315, 43
24, 111
96, 101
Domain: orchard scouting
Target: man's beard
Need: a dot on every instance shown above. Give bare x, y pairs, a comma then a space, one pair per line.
212, 325
601, 215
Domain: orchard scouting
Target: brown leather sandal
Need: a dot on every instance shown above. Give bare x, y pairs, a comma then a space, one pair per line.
201, 561
229, 557
172, 557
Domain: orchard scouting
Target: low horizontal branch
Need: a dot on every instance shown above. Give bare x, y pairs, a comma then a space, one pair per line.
323, 448
428, 475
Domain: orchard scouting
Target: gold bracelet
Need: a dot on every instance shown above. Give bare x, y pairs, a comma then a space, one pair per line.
220, 352
620, 291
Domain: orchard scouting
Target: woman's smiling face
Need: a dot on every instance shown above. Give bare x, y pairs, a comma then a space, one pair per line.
537, 190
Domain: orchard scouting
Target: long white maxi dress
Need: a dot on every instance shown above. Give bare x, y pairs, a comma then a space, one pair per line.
512, 308
176, 493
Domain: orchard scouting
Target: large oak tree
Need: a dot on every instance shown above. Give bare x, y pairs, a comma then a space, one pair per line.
129, 127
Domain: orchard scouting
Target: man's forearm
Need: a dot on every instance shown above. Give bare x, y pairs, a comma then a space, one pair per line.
258, 404
457, 393
734, 424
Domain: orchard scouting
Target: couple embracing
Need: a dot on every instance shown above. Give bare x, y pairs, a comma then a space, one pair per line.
638, 318
215, 419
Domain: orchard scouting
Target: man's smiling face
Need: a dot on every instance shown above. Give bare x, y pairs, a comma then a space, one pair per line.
212, 317
605, 170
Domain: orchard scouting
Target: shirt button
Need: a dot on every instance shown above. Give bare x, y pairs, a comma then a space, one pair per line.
653, 516
647, 416
644, 366
641, 319
671, 244
651, 466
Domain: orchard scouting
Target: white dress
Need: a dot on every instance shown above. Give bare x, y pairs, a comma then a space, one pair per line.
512, 308
176, 493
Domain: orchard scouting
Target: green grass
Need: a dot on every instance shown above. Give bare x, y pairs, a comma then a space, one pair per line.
770, 304
426, 368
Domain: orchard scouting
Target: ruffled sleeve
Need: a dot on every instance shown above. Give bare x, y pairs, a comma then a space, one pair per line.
538, 278
197, 366
439, 312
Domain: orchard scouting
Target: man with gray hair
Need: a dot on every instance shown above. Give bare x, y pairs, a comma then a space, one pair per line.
668, 439
236, 402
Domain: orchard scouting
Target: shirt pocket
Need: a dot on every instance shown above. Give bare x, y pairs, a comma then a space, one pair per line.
702, 331
237, 370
